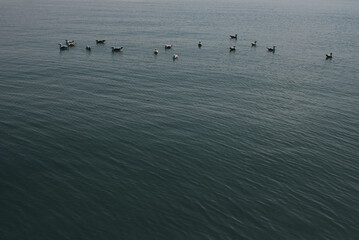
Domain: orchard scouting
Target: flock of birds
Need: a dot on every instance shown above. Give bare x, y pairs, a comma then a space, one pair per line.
71, 43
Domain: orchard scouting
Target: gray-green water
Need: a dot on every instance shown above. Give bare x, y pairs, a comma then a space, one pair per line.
214, 145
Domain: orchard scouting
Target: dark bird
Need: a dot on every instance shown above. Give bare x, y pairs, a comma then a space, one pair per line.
116, 49
271, 49
63, 47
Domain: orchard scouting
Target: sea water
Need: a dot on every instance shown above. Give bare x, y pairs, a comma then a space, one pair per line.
246, 144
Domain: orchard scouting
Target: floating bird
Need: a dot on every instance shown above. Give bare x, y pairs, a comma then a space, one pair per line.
254, 44
63, 47
233, 36
168, 46
116, 49
200, 44
175, 56
329, 55
88, 47
70, 43
100, 41
233, 48
271, 49
156, 51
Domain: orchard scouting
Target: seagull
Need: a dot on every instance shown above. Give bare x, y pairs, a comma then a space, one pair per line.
156, 51
116, 49
233, 48
329, 55
168, 46
100, 41
271, 49
254, 44
175, 56
70, 43
63, 47
200, 44
233, 36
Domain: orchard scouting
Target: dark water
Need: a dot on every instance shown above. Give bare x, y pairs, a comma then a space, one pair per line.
214, 145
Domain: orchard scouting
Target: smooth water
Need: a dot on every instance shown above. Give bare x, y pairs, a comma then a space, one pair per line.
215, 145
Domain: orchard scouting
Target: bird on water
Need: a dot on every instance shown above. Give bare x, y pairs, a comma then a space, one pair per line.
272, 49
329, 55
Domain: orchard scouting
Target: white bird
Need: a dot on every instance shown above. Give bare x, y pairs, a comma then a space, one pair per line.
233, 36
156, 51
168, 46
116, 49
233, 48
175, 56
329, 55
63, 47
70, 43
100, 41
271, 49
254, 44
200, 44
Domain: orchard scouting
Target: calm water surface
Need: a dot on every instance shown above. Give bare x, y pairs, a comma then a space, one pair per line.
215, 145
